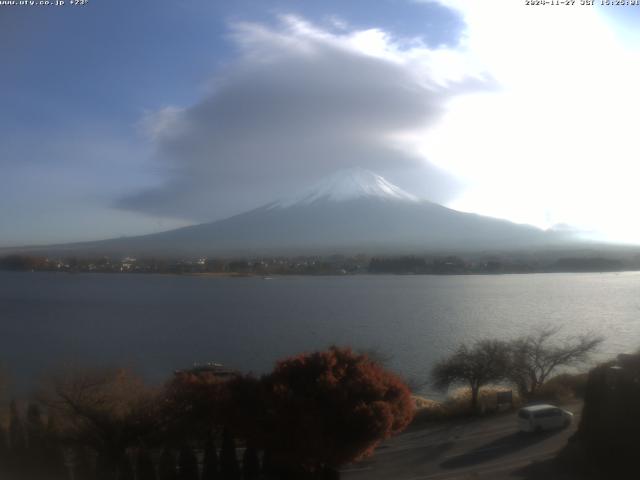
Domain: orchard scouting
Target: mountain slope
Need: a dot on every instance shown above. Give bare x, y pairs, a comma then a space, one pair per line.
350, 212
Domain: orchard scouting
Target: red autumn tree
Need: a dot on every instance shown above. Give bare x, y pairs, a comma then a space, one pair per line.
328, 408
314, 412
192, 405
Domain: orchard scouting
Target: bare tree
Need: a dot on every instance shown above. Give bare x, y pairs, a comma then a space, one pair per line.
108, 410
484, 362
535, 357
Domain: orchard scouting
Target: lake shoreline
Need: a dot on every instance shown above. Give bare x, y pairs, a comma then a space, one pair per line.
268, 276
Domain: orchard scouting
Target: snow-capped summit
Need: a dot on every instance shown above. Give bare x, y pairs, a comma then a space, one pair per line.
352, 211
345, 185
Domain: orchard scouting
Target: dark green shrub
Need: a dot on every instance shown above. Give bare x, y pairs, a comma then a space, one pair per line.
250, 464
145, 469
167, 466
187, 464
229, 469
210, 461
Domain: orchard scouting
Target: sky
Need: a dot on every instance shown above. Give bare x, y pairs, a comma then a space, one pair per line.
119, 118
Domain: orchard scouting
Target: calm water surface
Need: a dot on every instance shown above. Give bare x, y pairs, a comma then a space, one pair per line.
157, 323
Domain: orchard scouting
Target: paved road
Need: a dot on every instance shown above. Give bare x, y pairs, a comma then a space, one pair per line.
488, 448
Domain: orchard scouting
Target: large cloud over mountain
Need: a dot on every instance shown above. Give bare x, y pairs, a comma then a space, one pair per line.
299, 103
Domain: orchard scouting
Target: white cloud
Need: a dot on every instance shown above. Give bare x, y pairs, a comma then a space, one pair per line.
533, 113
301, 102
163, 123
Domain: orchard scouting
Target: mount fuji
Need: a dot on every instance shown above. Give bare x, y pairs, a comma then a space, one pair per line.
352, 211
347, 185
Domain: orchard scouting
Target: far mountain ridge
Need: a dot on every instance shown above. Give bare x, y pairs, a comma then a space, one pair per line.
351, 211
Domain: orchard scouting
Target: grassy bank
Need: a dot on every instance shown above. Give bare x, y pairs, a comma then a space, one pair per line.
561, 389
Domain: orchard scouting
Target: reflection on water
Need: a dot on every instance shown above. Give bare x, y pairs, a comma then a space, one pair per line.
157, 323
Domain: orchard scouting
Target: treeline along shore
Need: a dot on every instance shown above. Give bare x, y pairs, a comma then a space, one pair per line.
544, 262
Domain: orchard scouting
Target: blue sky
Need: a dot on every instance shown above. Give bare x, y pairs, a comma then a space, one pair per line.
120, 117
77, 81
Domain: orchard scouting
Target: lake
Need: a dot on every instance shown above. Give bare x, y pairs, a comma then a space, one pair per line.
157, 323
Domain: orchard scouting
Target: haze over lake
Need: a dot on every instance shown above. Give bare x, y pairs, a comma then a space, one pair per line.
157, 323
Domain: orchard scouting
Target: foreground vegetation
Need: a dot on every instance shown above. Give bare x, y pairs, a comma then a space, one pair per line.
312, 414
525, 362
562, 389
606, 443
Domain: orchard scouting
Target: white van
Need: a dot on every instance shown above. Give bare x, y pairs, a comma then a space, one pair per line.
543, 417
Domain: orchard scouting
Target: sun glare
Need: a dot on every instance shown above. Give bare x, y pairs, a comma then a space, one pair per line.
555, 143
